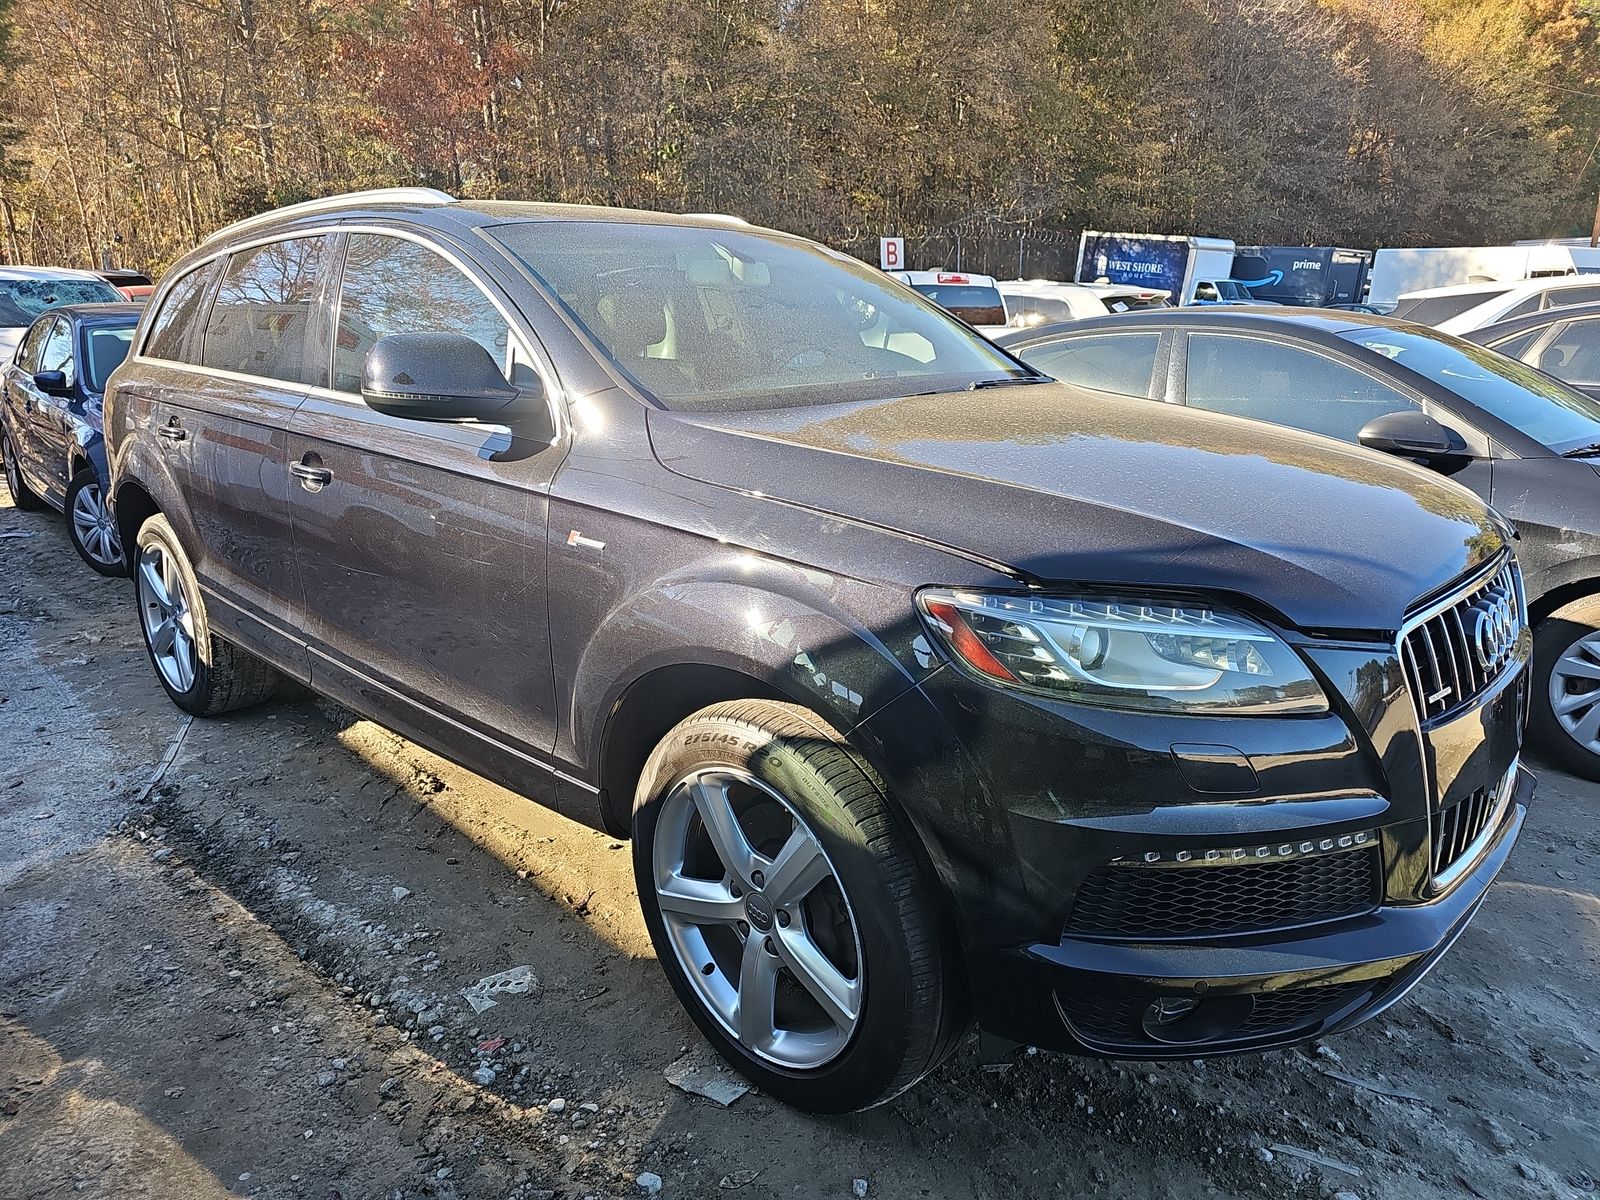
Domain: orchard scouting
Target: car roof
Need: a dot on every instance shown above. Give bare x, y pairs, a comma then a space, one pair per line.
1533, 320
1258, 318
13, 273
100, 312
1502, 286
947, 276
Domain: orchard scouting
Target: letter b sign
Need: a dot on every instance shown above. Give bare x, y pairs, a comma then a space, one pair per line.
892, 253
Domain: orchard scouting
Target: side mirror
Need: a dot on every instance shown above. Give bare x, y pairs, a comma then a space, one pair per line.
52, 383
1409, 432
434, 377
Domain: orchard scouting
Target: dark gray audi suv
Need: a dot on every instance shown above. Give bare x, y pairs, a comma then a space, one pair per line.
926, 688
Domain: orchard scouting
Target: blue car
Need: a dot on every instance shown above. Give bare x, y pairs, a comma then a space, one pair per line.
50, 421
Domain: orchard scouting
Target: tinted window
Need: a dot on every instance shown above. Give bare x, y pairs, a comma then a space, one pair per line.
264, 320
718, 318
1513, 347
28, 352
1123, 362
104, 348
974, 305
56, 353
1430, 310
1288, 385
1522, 308
21, 300
1574, 353
1028, 311
170, 331
1545, 409
395, 286
1572, 295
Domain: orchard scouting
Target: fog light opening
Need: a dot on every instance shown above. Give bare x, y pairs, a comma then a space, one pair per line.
1188, 1019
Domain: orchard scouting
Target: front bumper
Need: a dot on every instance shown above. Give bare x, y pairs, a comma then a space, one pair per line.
1253, 994
1025, 805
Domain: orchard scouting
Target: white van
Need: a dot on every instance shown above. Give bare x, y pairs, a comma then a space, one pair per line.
975, 299
1412, 269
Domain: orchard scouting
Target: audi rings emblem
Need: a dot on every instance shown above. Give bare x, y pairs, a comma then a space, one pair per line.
1496, 626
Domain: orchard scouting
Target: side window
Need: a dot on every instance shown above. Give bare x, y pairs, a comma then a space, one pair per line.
1523, 307
28, 352
171, 331
1574, 353
1572, 295
1514, 346
1115, 362
265, 320
56, 353
392, 285
1287, 385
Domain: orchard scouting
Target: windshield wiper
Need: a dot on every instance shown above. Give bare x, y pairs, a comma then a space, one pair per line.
1592, 450
1007, 381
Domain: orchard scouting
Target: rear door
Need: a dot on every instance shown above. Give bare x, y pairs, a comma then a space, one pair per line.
1125, 364
421, 544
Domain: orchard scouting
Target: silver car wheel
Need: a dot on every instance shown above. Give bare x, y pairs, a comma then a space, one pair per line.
1575, 692
93, 527
168, 621
758, 918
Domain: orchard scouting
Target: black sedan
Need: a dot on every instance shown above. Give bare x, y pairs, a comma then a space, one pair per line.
1564, 342
50, 422
1522, 440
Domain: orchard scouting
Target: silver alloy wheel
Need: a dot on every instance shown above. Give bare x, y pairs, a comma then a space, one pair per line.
13, 471
1575, 692
758, 918
168, 621
92, 523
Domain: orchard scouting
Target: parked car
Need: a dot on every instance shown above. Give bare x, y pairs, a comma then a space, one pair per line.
1564, 342
1223, 291
1521, 440
134, 285
25, 292
50, 421
1470, 306
1031, 302
975, 299
924, 687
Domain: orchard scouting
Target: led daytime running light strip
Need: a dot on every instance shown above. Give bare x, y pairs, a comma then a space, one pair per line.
1239, 855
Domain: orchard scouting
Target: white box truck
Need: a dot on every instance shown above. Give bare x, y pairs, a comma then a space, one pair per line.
1414, 269
1172, 263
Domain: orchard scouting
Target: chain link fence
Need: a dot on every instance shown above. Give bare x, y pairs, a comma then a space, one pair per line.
1016, 253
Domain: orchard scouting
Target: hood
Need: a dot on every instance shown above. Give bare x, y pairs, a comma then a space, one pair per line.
1061, 485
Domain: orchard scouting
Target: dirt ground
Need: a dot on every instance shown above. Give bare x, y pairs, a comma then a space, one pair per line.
233, 952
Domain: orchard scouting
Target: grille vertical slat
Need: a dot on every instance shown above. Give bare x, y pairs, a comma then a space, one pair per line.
1443, 654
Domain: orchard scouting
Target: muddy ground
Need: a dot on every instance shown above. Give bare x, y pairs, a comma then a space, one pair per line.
232, 955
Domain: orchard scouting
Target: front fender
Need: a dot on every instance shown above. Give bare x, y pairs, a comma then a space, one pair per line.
793, 628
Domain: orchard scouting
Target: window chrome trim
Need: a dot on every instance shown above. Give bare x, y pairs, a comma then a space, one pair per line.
555, 395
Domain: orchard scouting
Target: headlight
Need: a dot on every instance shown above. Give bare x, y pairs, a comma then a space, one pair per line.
1123, 652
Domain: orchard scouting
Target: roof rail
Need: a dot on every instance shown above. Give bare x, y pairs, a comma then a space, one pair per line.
394, 195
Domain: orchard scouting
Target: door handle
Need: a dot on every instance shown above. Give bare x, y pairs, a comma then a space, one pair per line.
173, 434
313, 479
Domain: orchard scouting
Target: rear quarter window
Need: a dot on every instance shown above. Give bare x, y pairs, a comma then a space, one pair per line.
173, 333
266, 320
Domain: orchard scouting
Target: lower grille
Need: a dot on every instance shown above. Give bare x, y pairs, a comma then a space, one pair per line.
1457, 829
1152, 903
1116, 1017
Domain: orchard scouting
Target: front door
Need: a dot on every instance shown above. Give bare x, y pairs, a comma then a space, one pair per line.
421, 544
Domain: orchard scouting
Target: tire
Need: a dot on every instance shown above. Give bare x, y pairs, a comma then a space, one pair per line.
21, 494
89, 525
1566, 646
860, 920
203, 674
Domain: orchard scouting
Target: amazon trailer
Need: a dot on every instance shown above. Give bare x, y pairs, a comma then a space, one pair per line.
1171, 263
1308, 276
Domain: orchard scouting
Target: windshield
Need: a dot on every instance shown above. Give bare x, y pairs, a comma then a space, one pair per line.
709, 319
21, 300
1544, 408
104, 348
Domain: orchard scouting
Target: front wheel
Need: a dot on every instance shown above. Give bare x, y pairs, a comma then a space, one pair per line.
89, 524
790, 910
1566, 686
